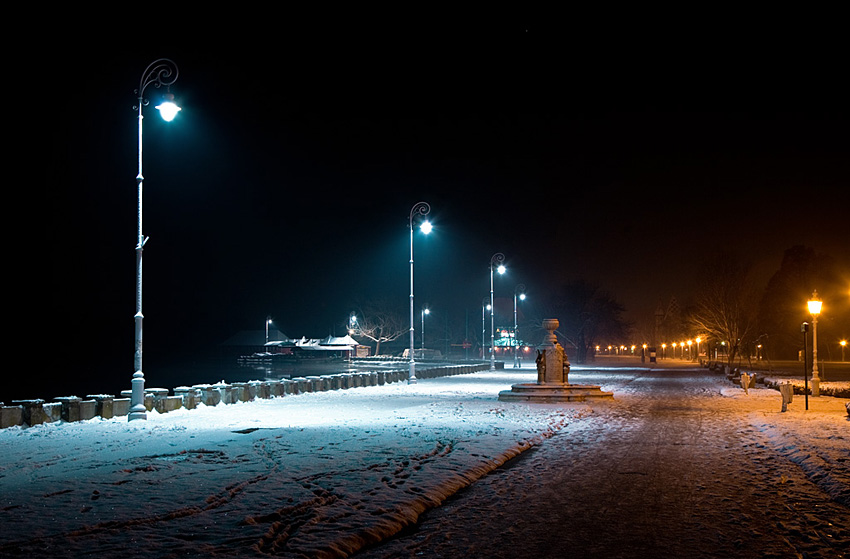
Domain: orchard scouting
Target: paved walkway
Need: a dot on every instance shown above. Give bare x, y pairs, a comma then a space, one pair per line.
669, 469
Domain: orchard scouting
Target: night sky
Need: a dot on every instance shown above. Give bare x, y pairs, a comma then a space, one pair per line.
284, 186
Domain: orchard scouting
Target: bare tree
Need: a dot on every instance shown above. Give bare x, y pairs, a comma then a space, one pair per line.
726, 304
588, 314
380, 323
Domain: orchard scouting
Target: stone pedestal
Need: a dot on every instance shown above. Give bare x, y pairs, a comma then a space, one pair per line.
553, 370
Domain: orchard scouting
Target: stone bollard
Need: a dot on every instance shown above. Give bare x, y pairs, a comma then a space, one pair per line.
33, 414
297, 385
228, 394
103, 405
263, 389
276, 388
241, 392
188, 395
745, 382
121, 406
70, 407
10, 416
210, 395
337, 381
787, 393
156, 396
88, 410
52, 412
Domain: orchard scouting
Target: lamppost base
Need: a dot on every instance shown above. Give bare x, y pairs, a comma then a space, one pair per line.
137, 398
815, 386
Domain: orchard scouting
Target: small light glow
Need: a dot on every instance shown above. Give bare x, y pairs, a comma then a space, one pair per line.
426, 227
501, 269
522, 297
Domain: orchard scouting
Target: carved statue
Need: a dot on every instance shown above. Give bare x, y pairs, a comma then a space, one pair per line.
541, 366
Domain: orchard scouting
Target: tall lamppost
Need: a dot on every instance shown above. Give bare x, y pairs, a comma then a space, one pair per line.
485, 306
815, 306
158, 73
425, 310
268, 322
498, 259
518, 292
420, 208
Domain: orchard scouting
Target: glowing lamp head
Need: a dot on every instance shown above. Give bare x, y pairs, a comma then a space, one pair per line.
168, 109
522, 297
426, 227
501, 269
815, 304
427, 311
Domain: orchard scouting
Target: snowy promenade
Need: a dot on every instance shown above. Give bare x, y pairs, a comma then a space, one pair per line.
680, 464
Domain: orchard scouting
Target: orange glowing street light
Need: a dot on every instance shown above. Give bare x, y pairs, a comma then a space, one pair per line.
815, 306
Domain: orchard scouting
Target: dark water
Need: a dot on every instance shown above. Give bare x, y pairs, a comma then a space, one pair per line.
188, 375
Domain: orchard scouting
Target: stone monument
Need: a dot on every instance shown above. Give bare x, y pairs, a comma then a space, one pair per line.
553, 369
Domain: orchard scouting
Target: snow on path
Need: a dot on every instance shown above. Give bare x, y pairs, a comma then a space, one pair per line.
687, 464
319, 474
681, 464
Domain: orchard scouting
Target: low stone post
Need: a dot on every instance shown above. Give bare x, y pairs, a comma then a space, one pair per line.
787, 393
70, 407
103, 405
11, 416
33, 414
745, 382
189, 396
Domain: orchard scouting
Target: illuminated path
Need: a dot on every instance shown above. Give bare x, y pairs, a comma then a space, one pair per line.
671, 469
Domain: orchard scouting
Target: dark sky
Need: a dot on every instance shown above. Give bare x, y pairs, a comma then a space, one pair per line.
283, 188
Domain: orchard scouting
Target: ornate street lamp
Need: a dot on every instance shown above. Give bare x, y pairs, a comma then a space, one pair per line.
815, 306
498, 259
420, 208
158, 73
518, 292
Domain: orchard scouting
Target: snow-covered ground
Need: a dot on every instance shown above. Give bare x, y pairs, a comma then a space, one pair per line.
332, 474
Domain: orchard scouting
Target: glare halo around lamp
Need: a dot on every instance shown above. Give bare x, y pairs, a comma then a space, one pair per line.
158, 73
